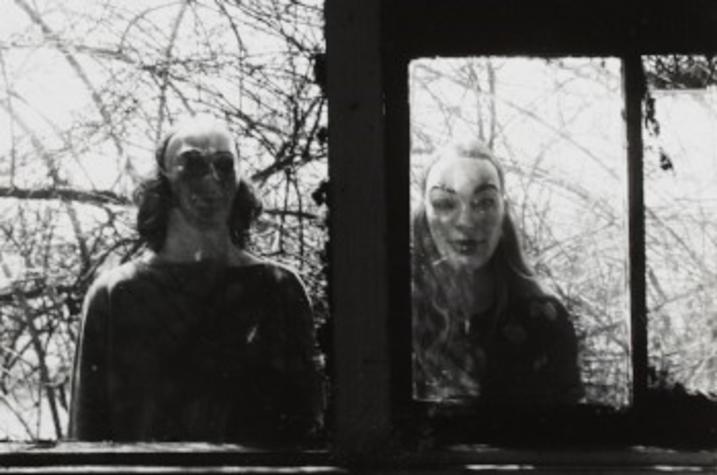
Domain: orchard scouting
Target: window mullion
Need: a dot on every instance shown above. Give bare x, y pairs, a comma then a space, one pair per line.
633, 88
359, 256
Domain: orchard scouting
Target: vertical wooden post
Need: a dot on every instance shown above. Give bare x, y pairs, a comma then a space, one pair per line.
358, 207
634, 88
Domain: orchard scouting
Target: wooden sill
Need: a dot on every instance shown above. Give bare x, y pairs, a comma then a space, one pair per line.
76, 457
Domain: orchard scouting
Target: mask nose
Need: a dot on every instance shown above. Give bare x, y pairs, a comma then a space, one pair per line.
466, 217
217, 175
214, 173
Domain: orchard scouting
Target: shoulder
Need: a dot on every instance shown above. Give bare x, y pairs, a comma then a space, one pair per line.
276, 272
543, 307
547, 307
546, 317
289, 287
118, 276
282, 274
97, 300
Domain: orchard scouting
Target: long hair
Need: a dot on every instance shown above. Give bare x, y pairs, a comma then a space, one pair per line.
154, 199
436, 313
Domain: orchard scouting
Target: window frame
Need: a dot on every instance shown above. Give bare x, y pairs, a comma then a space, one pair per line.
368, 75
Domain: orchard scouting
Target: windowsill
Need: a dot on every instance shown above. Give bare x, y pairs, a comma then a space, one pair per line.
158, 455
589, 456
74, 457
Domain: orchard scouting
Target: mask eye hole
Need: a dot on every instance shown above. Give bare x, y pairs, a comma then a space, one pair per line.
486, 203
224, 165
193, 164
444, 204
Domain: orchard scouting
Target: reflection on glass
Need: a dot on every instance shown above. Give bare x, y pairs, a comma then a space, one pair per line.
680, 167
518, 233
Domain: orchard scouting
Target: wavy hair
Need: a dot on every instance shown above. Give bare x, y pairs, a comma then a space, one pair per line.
436, 314
154, 199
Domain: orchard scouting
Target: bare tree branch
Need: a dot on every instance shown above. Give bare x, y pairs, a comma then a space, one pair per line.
64, 194
79, 70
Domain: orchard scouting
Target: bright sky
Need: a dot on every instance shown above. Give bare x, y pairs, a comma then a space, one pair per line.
54, 96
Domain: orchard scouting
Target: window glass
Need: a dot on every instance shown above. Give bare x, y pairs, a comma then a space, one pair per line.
680, 166
544, 317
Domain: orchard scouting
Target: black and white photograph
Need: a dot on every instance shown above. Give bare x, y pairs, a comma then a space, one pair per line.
358, 236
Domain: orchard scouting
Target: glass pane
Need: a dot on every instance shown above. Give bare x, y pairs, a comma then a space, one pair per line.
680, 167
518, 192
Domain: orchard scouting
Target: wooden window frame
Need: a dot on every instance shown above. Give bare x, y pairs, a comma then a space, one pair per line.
369, 149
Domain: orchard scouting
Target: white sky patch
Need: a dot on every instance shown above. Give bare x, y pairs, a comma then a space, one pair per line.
47, 92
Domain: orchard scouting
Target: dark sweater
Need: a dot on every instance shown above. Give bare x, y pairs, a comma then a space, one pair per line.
196, 352
527, 355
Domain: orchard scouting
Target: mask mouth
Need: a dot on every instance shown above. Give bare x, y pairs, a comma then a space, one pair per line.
467, 246
207, 203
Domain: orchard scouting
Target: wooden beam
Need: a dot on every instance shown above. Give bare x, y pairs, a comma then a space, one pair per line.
358, 220
634, 89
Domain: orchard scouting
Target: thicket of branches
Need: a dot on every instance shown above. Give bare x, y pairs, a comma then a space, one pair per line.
681, 220
87, 88
558, 127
